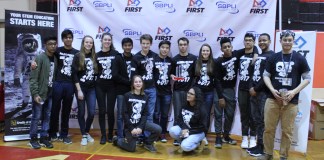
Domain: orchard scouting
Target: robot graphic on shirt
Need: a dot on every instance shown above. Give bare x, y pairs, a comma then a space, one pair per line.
186, 116
29, 45
136, 115
256, 74
244, 73
67, 64
230, 71
204, 80
163, 74
89, 71
280, 68
149, 70
106, 66
182, 71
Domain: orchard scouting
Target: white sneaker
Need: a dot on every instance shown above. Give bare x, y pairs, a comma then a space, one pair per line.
205, 141
245, 142
89, 138
252, 141
84, 140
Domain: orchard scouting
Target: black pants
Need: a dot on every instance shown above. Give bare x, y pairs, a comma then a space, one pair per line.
257, 110
179, 100
129, 143
245, 110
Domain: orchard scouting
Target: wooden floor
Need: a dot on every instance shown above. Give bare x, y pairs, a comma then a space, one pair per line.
94, 151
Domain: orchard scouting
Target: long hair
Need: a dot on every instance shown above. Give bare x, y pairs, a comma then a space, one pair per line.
83, 52
210, 62
132, 84
110, 35
198, 96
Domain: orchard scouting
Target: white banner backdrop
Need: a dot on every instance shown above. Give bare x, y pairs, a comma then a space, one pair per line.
201, 21
304, 44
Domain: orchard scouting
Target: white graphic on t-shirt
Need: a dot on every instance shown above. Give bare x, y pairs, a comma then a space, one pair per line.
244, 65
106, 67
187, 115
129, 68
67, 63
89, 70
136, 115
256, 74
229, 66
182, 70
149, 69
51, 74
163, 73
280, 68
204, 78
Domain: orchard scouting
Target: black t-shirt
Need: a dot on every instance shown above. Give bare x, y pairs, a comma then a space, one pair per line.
162, 71
205, 81
106, 67
259, 66
85, 77
286, 71
184, 66
64, 65
134, 111
143, 66
245, 71
122, 80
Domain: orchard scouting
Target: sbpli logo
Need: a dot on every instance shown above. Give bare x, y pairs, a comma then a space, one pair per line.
195, 6
255, 34
74, 6
103, 5
164, 6
258, 7
225, 33
78, 34
163, 34
102, 30
132, 33
198, 36
226, 6
299, 43
133, 6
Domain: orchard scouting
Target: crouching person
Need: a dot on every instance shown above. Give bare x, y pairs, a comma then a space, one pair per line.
135, 114
192, 122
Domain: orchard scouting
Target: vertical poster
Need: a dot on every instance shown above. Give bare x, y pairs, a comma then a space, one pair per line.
24, 34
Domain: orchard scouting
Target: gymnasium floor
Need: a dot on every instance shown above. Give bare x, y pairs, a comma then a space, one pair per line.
19, 150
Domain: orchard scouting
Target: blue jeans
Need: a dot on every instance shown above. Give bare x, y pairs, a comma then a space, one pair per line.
62, 94
89, 98
190, 143
151, 94
120, 121
161, 112
43, 113
208, 100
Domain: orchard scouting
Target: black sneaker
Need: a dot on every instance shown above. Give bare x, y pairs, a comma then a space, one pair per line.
257, 152
218, 142
139, 141
54, 138
110, 138
103, 140
115, 140
229, 140
34, 143
249, 150
43, 141
150, 148
66, 140
176, 143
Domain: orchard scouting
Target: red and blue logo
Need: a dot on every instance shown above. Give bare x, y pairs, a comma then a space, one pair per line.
163, 34
133, 6
231, 8
195, 6
102, 30
74, 6
225, 33
259, 7
164, 6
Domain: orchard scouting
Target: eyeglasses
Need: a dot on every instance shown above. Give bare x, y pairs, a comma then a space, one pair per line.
190, 93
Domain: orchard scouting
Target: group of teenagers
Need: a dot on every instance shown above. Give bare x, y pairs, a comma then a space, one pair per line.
143, 86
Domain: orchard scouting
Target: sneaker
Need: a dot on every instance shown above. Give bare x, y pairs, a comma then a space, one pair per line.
33, 143
110, 137
176, 143
265, 157
205, 141
66, 140
258, 151
229, 140
115, 140
245, 142
139, 141
163, 138
252, 149
252, 142
218, 142
54, 138
89, 138
43, 141
84, 140
150, 147
103, 140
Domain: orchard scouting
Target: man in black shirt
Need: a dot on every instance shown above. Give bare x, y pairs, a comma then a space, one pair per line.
282, 75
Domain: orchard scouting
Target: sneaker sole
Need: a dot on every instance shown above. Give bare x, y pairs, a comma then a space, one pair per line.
255, 155
32, 146
43, 145
218, 147
149, 150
